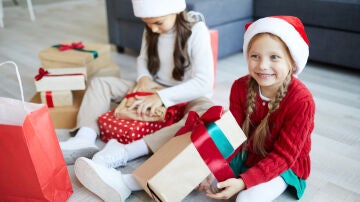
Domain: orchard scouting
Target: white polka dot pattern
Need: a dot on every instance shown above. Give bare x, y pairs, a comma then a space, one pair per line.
126, 131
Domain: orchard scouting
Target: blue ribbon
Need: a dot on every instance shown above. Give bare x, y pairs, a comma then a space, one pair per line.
220, 140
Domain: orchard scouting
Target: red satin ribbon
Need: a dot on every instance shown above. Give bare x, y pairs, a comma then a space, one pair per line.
64, 47
43, 72
49, 100
193, 120
138, 94
204, 143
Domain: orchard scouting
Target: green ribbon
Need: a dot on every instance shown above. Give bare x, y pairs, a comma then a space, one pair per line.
94, 53
220, 140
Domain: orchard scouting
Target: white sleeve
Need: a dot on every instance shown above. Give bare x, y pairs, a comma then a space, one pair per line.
141, 65
200, 73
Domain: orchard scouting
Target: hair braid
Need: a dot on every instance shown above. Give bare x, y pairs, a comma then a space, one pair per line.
250, 107
263, 130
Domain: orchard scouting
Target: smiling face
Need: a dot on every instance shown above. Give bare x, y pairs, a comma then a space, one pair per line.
161, 24
269, 62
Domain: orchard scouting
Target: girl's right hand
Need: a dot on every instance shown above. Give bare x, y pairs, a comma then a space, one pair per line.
207, 185
228, 188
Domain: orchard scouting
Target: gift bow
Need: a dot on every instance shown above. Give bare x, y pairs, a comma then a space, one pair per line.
194, 120
64, 47
41, 74
79, 46
210, 142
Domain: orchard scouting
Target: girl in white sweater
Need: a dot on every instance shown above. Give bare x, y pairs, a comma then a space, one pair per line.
176, 57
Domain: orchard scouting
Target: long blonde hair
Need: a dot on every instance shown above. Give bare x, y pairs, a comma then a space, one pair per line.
262, 130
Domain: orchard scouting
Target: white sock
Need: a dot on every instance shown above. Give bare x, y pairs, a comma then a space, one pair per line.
136, 149
85, 137
131, 182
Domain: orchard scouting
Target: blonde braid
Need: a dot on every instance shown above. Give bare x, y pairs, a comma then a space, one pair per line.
263, 129
250, 107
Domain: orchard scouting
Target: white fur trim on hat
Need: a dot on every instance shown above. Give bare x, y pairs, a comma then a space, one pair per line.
298, 46
157, 8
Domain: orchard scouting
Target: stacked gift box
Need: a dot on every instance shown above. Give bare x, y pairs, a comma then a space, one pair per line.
65, 70
94, 56
56, 88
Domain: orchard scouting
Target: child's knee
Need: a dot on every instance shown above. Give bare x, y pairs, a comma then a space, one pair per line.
247, 195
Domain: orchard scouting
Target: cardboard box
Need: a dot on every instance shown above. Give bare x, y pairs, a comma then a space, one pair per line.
57, 98
64, 117
62, 79
112, 69
54, 58
177, 167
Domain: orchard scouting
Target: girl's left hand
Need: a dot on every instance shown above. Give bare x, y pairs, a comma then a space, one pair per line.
228, 188
143, 103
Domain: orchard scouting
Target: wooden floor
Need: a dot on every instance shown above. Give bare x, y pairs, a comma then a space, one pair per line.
335, 150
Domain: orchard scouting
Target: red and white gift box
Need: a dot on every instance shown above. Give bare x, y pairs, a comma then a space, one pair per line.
59, 79
57, 98
126, 131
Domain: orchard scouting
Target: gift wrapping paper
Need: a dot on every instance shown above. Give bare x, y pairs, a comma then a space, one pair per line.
93, 56
57, 98
60, 79
180, 161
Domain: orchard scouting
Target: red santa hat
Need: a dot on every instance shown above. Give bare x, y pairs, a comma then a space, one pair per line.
289, 29
157, 8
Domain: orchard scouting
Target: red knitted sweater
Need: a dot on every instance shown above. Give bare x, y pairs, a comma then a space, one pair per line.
288, 144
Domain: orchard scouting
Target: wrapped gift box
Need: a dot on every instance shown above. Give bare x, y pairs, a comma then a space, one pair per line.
180, 161
57, 98
112, 69
126, 131
64, 117
61, 79
93, 56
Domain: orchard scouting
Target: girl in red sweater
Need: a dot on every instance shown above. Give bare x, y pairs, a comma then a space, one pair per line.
276, 112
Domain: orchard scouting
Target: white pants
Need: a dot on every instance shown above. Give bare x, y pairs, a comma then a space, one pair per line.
102, 90
98, 97
264, 192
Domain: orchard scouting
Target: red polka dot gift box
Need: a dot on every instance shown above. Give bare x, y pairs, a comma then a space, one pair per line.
126, 131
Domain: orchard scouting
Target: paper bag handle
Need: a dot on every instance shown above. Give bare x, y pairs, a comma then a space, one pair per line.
18, 77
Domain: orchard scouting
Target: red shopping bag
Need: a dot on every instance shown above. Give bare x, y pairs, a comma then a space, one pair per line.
32, 166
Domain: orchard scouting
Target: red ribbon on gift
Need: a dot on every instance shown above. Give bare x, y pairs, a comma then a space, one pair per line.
49, 100
204, 144
43, 72
138, 94
64, 47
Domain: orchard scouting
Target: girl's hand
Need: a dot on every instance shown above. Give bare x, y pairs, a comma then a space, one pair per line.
206, 185
144, 84
143, 103
228, 188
